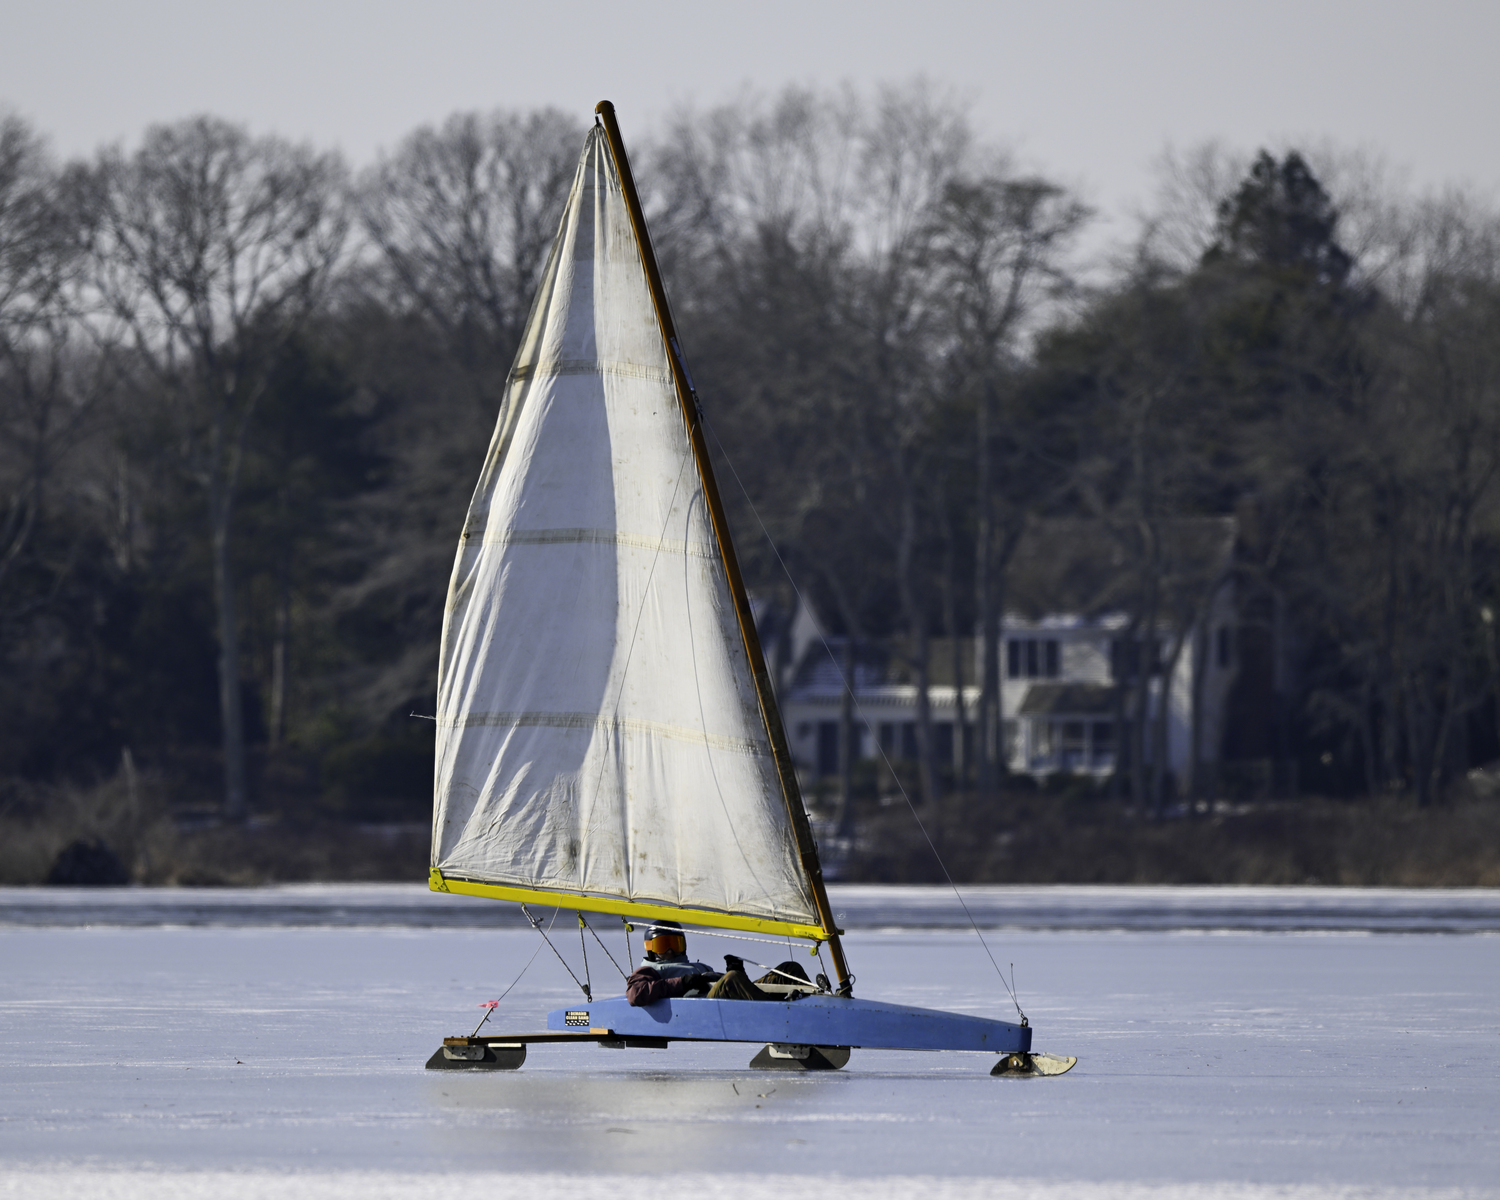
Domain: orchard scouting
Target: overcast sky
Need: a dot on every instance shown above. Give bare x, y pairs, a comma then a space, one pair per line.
1091, 91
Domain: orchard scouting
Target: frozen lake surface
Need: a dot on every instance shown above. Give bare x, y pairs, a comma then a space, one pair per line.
1232, 1043
858, 906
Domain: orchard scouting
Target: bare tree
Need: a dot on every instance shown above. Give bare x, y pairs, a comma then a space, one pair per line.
916, 144
865, 241
38, 264
53, 374
461, 219
1411, 511
1001, 242
213, 248
28, 223
464, 217
811, 221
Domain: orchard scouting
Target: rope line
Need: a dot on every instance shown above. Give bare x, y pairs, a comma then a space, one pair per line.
848, 688
740, 937
770, 970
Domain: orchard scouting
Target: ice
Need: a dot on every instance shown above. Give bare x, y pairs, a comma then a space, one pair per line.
160, 1051
858, 906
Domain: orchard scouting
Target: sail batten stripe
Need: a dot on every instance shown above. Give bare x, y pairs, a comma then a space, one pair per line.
646, 910
595, 537
558, 367
596, 721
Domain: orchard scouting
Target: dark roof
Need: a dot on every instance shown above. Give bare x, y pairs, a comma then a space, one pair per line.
1059, 699
1091, 567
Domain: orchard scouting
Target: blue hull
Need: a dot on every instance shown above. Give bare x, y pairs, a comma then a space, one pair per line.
812, 1021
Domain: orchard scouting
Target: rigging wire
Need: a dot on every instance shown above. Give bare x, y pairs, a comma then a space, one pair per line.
588, 983
494, 1004
537, 925
848, 687
602, 946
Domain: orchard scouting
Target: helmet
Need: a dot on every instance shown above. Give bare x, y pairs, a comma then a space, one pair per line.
665, 939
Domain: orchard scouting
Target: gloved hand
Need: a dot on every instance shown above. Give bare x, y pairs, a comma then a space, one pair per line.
702, 981
733, 962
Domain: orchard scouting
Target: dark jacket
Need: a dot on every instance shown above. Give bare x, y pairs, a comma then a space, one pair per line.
647, 986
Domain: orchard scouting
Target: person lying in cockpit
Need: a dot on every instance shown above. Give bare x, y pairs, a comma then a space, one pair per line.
666, 972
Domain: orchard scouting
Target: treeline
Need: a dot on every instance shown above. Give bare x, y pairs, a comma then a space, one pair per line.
245, 393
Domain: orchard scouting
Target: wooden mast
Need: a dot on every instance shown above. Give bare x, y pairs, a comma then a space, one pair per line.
791, 791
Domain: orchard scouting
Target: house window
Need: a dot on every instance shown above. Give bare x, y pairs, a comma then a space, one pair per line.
887, 735
1125, 657
1032, 658
909, 740
1225, 646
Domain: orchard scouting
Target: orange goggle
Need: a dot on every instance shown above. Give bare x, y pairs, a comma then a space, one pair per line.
667, 943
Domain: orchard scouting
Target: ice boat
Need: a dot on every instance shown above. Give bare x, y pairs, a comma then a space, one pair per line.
607, 737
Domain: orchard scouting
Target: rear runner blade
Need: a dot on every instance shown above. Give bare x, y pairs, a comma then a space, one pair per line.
1022, 1065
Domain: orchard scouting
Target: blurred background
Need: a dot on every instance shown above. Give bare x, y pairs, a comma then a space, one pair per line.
1107, 406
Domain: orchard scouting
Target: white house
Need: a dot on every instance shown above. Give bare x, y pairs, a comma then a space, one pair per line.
1071, 659
884, 716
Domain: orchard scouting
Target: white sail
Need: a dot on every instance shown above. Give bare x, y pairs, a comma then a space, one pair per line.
598, 728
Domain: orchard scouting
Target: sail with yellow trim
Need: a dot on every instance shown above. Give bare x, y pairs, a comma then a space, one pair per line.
601, 743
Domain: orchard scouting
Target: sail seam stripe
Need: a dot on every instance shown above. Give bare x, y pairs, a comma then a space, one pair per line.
564, 720
596, 537
557, 368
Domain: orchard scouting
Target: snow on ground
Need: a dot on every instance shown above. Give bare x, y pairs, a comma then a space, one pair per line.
169, 1054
